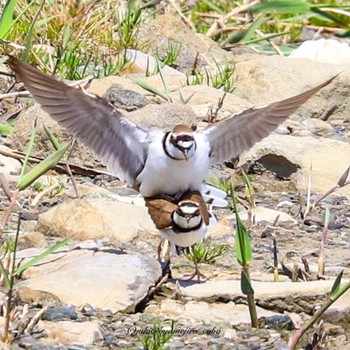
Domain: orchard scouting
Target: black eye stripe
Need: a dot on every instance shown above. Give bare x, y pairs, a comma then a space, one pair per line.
181, 137
189, 204
186, 215
184, 138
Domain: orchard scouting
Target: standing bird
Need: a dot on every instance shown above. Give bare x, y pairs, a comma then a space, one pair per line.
183, 223
154, 162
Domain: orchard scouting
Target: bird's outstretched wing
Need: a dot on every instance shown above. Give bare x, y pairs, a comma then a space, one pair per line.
231, 136
118, 142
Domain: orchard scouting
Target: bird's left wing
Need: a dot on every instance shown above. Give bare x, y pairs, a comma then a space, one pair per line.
117, 141
160, 210
231, 136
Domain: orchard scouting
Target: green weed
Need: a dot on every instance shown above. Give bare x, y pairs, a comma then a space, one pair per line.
158, 338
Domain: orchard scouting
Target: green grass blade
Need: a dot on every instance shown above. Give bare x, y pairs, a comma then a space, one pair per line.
282, 7
163, 80
5, 129
253, 27
148, 87
66, 36
246, 286
43, 21
327, 217
41, 168
55, 143
342, 180
213, 6
334, 18
5, 274
29, 150
20, 15
265, 37
242, 242
7, 18
29, 37
249, 189
40, 257
336, 286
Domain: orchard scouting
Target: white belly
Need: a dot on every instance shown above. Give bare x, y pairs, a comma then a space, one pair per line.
164, 175
184, 239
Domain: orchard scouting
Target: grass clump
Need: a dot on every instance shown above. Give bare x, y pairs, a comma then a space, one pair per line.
75, 40
205, 252
157, 337
222, 77
9, 271
265, 24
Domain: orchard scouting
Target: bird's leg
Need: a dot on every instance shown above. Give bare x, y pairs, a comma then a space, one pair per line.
164, 257
159, 251
196, 273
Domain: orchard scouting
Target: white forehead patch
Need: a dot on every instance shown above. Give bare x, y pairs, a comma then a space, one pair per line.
185, 144
188, 207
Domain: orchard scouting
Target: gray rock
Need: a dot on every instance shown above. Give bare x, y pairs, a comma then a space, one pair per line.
168, 30
197, 313
324, 50
144, 64
260, 214
338, 311
203, 98
124, 98
329, 159
164, 116
8, 166
100, 86
83, 334
260, 82
280, 297
61, 313
80, 219
108, 280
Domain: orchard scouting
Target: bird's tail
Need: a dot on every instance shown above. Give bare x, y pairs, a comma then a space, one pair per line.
213, 196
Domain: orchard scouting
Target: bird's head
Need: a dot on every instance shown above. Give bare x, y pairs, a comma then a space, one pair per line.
181, 143
187, 215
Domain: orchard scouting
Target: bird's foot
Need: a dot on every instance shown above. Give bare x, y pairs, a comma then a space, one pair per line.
198, 274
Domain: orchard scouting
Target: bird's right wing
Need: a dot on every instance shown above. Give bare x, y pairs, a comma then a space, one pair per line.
118, 142
231, 136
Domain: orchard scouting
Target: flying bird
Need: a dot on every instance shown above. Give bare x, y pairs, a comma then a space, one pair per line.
154, 162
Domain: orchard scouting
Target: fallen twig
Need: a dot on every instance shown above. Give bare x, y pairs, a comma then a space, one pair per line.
223, 19
15, 94
60, 167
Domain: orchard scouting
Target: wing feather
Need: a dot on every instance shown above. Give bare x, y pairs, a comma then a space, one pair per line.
118, 142
231, 136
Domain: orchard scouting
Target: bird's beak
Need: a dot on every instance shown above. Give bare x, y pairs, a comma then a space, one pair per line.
184, 152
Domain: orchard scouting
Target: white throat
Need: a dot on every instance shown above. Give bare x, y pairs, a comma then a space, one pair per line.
175, 152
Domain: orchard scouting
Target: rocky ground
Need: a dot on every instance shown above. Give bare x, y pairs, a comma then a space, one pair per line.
104, 289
